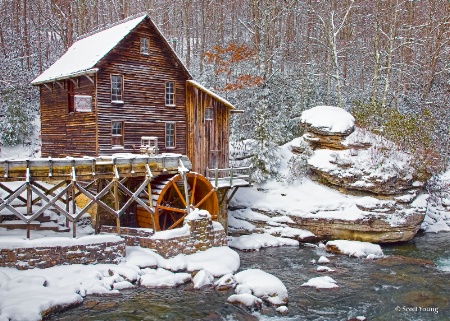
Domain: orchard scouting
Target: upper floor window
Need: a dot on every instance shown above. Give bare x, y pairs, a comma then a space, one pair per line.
117, 88
170, 135
170, 93
144, 46
208, 113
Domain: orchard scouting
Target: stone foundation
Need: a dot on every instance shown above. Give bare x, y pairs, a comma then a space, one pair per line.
24, 258
195, 236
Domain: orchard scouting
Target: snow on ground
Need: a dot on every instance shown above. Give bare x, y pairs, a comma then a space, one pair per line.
321, 282
438, 207
218, 260
355, 248
25, 294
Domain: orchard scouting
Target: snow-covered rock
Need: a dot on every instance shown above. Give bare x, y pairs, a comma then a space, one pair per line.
202, 278
263, 285
245, 299
354, 248
323, 260
282, 310
321, 268
327, 127
226, 282
329, 120
321, 282
161, 278
255, 242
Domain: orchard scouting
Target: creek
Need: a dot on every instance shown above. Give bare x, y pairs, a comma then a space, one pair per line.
396, 288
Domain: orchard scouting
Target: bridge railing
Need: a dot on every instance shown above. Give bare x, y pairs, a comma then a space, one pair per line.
229, 177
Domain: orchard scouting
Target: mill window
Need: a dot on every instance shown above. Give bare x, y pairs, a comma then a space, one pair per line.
144, 46
117, 134
170, 93
170, 135
117, 89
209, 113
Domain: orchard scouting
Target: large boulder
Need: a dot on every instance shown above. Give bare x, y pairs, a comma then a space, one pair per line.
327, 126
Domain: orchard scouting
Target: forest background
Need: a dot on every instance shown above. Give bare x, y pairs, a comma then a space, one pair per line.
386, 61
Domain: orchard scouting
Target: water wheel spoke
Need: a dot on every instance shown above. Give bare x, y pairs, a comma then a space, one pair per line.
204, 198
180, 194
164, 222
193, 190
171, 209
181, 219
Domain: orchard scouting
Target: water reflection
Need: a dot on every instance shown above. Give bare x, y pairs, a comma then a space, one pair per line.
406, 287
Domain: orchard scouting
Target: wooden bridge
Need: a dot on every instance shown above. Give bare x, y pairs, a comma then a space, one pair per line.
112, 184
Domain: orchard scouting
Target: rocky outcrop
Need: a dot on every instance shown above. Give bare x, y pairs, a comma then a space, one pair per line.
327, 127
362, 163
374, 228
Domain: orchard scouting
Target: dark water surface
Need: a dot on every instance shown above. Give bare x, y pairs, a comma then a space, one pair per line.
396, 288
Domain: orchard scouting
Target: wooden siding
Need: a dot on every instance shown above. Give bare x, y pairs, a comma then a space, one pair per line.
208, 140
143, 112
65, 134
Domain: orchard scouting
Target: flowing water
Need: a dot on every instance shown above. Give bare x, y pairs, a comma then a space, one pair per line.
396, 288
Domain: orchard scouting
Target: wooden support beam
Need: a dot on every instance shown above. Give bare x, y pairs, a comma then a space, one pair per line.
6, 189
59, 84
232, 194
90, 79
74, 81
48, 87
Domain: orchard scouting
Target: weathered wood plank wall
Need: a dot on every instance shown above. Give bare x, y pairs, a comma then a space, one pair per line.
208, 140
65, 133
143, 112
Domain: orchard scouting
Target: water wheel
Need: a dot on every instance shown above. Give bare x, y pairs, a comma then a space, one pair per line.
169, 200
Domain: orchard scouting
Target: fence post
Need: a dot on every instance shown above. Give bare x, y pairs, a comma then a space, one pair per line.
231, 176
216, 175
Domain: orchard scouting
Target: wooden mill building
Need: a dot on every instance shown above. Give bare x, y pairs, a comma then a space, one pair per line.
114, 86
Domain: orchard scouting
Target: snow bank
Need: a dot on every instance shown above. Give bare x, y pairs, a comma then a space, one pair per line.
330, 119
263, 285
25, 294
217, 260
438, 226
321, 282
254, 242
9, 242
354, 248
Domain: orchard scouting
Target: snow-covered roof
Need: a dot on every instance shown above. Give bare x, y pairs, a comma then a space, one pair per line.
212, 94
82, 57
